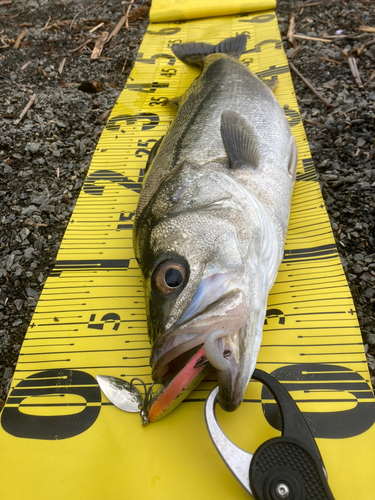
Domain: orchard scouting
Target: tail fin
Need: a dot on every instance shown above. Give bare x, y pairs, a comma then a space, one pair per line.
195, 52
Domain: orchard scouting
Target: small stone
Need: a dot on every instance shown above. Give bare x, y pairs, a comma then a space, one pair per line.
24, 233
32, 293
29, 252
370, 338
8, 169
357, 257
18, 303
33, 147
8, 373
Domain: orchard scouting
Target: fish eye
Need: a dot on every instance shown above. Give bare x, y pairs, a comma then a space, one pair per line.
170, 276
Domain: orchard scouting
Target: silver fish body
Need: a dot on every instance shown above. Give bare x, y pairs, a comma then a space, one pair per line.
211, 222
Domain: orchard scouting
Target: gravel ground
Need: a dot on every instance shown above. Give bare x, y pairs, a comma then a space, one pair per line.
44, 159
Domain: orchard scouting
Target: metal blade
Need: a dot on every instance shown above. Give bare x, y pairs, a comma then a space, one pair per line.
236, 459
120, 393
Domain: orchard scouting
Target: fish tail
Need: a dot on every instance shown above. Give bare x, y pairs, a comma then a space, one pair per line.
195, 52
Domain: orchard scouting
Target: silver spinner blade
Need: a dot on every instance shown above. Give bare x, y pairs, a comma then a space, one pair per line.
236, 459
120, 393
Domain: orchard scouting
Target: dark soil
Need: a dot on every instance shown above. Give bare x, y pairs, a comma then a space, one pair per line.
44, 159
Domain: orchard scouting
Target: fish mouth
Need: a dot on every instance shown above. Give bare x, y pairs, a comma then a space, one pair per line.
221, 329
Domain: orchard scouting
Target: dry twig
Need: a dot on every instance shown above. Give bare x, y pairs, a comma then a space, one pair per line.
123, 68
308, 84
325, 59
80, 46
78, 13
19, 39
8, 2
96, 27
61, 67
121, 23
354, 69
25, 110
5, 45
292, 25
366, 29
47, 23
26, 65
99, 44
372, 76
304, 37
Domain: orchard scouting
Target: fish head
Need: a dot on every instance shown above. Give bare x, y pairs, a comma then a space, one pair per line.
201, 288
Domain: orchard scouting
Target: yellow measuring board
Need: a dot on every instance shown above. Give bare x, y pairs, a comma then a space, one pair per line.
61, 438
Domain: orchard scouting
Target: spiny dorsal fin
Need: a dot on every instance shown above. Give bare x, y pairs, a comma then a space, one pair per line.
195, 52
153, 152
239, 140
176, 101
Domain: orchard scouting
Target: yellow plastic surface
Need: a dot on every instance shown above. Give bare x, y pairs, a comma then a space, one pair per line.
61, 439
182, 10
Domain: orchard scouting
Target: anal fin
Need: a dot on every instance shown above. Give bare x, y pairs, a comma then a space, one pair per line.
240, 140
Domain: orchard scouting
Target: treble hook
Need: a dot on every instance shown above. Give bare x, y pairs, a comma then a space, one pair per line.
147, 398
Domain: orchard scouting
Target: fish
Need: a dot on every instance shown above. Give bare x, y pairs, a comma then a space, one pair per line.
210, 226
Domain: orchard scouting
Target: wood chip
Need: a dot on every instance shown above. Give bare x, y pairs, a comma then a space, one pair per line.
103, 117
354, 69
8, 2
296, 51
64, 84
139, 13
61, 67
19, 39
310, 122
308, 84
43, 72
25, 109
292, 25
99, 44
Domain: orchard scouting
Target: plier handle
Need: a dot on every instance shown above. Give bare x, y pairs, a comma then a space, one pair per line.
288, 467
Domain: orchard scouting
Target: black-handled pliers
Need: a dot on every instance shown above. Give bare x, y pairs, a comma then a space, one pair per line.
288, 467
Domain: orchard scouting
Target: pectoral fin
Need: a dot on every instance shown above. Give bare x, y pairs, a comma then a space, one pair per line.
239, 140
293, 156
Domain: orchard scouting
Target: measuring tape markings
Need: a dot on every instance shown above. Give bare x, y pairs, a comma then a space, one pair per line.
108, 224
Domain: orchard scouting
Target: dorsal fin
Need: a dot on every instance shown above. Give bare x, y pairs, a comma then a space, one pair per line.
195, 52
153, 152
239, 140
176, 101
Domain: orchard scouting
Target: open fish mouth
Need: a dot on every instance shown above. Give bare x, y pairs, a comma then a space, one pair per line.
220, 328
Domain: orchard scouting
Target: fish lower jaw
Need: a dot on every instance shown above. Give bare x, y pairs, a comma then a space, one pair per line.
221, 346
